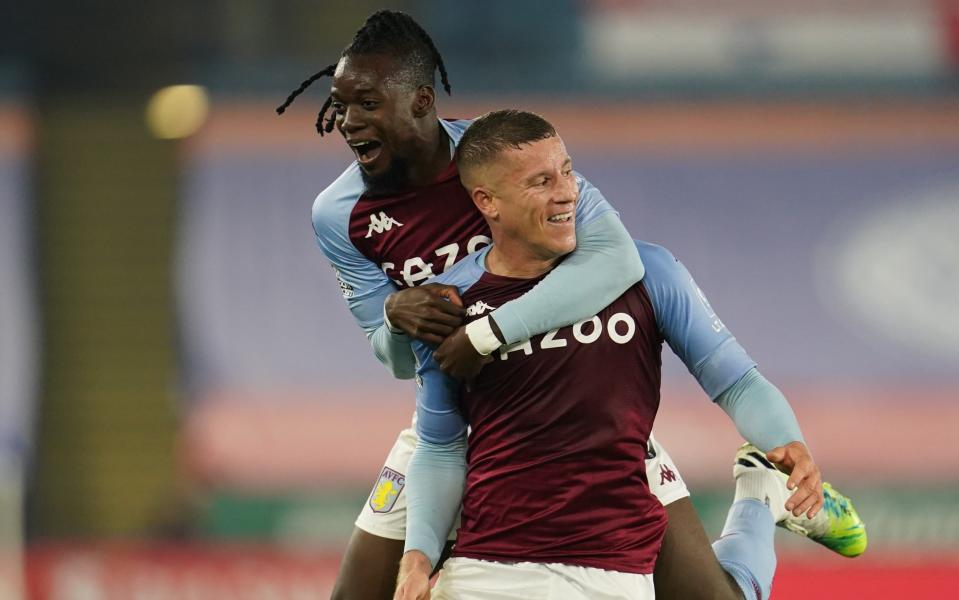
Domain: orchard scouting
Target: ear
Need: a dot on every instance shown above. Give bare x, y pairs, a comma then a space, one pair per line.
424, 100
485, 202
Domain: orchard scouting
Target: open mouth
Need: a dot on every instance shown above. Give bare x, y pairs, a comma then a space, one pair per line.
367, 151
561, 218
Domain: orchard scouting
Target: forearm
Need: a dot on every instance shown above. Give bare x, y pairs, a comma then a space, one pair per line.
760, 411
393, 350
604, 265
434, 487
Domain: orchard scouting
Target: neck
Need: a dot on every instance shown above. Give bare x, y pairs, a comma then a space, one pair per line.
435, 157
514, 260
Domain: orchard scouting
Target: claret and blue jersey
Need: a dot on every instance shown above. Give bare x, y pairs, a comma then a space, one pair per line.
559, 422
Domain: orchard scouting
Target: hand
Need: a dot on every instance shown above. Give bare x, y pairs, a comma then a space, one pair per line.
413, 582
457, 357
804, 477
429, 312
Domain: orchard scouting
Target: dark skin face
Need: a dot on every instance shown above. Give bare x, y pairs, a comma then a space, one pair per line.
389, 123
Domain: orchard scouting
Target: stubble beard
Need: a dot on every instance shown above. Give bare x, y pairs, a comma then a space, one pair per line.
395, 179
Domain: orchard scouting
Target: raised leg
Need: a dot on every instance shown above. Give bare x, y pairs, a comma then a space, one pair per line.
687, 567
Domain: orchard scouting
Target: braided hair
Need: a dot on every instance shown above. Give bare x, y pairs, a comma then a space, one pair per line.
384, 32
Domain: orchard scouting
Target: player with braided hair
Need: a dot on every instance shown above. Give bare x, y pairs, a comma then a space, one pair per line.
385, 32
398, 216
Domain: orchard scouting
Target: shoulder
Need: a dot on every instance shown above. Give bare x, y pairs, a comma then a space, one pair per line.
455, 128
661, 266
332, 206
465, 273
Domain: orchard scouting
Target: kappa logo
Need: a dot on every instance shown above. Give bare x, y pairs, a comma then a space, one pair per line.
478, 309
380, 223
666, 474
387, 490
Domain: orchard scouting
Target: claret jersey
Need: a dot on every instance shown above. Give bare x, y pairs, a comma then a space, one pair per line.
379, 243
559, 423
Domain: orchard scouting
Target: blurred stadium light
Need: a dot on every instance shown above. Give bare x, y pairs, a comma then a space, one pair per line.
177, 111
208, 417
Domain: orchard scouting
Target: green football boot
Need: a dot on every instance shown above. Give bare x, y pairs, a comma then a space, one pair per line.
836, 526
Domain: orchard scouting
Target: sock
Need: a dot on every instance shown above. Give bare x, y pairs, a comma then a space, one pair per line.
764, 486
746, 549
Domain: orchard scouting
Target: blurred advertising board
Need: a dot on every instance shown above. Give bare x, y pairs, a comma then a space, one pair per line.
184, 572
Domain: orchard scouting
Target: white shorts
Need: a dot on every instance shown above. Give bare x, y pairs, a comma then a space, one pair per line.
384, 514
471, 579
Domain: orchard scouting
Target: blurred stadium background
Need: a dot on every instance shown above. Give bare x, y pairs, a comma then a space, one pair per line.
187, 409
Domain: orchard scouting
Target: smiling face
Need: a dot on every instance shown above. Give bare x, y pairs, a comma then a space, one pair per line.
529, 195
378, 112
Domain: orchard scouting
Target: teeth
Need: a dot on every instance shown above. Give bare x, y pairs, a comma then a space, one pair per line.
561, 218
361, 146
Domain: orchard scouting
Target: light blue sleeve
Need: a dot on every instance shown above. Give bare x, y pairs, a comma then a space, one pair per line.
726, 373
435, 479
690, 325
393, 350
603, 266
437, 470
760, 411
438, 417
363, 285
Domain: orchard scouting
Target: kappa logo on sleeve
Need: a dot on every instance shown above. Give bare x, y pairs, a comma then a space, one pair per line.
387, 490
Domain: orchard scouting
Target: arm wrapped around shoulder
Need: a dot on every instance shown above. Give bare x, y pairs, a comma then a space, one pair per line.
604, 265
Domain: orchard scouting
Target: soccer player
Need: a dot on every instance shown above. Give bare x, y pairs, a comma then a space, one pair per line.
399, 216
556, 501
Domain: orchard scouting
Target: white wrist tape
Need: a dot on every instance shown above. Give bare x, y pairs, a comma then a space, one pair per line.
480, 333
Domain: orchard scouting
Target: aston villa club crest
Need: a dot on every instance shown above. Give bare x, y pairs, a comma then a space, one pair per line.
387, 490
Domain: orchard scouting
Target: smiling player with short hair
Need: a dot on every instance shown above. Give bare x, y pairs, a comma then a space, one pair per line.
556, 500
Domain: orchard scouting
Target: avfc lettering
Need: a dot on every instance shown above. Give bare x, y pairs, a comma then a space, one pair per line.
416, 270
620, 328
